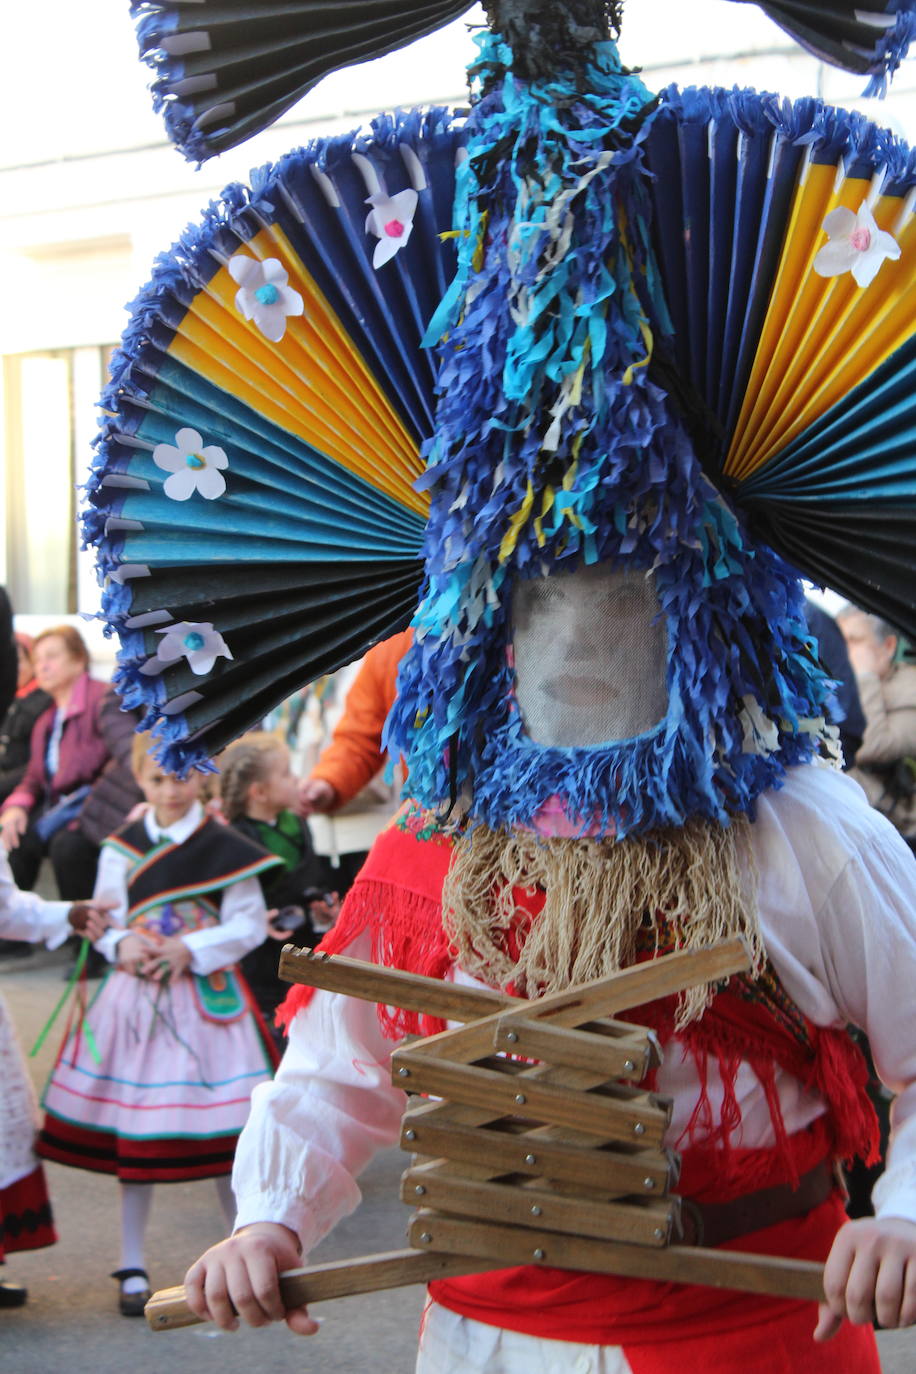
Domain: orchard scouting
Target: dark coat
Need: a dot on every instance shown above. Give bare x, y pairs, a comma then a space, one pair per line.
115, 791
83, 749
16, 737
9, 660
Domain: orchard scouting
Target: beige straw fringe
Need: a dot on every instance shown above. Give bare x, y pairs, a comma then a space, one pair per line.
700, 878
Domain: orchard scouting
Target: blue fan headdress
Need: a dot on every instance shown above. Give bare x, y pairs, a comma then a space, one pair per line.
555, 446
667, 334
223, 70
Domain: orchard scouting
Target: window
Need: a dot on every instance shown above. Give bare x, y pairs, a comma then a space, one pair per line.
51, 418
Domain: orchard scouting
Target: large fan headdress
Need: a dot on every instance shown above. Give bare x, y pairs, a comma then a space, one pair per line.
665, 334
224, 69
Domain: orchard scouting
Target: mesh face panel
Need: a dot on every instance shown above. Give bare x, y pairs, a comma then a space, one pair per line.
590, 656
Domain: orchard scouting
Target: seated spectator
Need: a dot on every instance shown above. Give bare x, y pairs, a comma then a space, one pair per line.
886, 761
16, 727
7, 654
845, 705
110, 799
68, 752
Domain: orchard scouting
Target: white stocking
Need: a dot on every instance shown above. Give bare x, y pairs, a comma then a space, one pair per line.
135, 1204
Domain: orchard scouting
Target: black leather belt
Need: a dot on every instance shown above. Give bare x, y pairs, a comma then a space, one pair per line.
714, 1223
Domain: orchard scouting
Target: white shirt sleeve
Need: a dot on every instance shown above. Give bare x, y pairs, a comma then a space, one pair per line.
314, 1129
869, 935
838, 894
242, 926
26, 916
111, 886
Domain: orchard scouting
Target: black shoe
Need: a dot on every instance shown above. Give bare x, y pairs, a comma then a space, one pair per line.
12, 1294
15, 949
132, 1304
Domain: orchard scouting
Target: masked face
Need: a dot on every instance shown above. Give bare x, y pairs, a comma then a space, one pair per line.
590, 656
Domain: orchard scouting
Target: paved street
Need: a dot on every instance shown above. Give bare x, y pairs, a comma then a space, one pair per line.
71, 1322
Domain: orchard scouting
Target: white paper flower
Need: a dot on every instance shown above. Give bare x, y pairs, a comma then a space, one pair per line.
200, 644
263, 294
390, 220
193, 466
856, 245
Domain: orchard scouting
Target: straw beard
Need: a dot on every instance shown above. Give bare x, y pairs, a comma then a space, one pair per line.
696, 882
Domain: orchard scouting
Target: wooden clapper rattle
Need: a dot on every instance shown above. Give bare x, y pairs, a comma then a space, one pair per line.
558, 1161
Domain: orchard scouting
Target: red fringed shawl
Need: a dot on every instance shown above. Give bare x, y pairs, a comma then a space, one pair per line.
397, 898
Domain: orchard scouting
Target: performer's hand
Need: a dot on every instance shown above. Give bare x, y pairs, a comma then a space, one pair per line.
90, 918
316, 794
13, 824
324, 913
240, 1278
870, 1273
133, 952
168, 958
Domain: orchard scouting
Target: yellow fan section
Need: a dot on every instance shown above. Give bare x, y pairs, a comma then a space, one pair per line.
822, 336
313, 383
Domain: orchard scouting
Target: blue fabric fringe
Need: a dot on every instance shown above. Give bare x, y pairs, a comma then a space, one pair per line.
527, 478
893, 45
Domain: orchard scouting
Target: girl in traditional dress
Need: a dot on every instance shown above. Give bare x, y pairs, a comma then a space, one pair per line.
258, 792
159, 1088
25, 1210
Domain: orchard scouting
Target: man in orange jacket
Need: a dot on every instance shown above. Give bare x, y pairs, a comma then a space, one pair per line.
355, 753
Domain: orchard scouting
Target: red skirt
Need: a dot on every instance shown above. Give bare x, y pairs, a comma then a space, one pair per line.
25, 1214
668, 1328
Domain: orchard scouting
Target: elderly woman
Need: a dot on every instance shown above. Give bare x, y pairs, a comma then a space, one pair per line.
68, 752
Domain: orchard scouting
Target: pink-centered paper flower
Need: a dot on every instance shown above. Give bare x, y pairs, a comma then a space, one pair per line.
856, 245
264, 295
391, 221
199, 643
193, 466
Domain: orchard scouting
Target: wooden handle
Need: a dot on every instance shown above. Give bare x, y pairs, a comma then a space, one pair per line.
168, 1310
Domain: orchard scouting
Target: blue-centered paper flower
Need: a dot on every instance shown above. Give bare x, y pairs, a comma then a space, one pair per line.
264, 295
192, 465
198, 642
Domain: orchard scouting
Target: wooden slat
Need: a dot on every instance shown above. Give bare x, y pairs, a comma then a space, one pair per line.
602, 998
391, 987
508, 1246
610, 1114
639, 1223
628, 1057
414, 992
562, 1076
500, 1152
642, 983
168, 1310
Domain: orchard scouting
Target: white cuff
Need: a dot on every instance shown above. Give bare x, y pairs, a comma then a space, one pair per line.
282, 1210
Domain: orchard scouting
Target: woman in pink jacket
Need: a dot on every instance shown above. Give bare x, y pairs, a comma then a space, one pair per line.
68, 752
